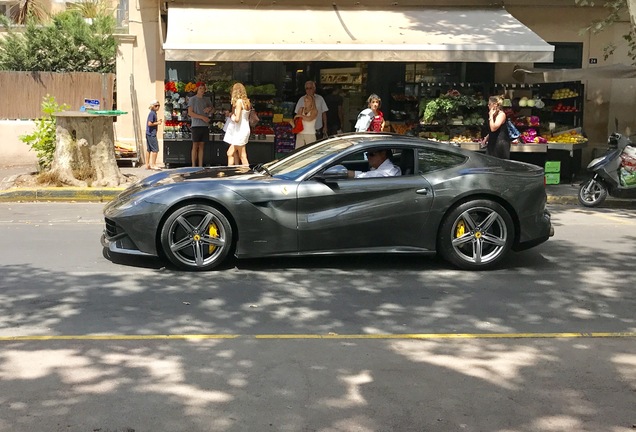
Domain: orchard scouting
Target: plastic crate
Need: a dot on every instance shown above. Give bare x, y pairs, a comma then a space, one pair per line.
552, 178
552, 166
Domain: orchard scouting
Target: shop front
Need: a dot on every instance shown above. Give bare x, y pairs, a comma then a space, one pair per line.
407, 56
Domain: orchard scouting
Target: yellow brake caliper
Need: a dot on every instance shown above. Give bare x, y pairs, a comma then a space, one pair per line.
460, 230
214, 232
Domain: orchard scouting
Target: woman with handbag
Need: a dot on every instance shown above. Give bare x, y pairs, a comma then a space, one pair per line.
498, 139
238, 127
308, 114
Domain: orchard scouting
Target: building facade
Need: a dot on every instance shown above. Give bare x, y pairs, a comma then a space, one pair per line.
162, 32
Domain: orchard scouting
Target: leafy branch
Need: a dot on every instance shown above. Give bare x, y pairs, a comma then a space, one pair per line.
42, 140
616, 9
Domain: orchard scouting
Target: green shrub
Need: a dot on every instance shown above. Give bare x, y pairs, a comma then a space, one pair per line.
42, 140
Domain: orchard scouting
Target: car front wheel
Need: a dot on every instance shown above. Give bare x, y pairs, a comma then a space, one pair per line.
196, 237
476, 235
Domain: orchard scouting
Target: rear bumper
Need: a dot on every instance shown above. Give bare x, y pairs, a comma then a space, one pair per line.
534, 231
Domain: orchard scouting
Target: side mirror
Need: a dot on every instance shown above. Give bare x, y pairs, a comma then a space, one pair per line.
337, 172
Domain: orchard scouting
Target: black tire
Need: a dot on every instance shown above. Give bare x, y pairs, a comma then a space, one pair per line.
592, 193
476, 235
196, 237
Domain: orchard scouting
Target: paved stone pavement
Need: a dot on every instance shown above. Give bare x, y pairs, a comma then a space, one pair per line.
564, 193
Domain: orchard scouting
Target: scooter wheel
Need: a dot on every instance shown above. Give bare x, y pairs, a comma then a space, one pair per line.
592, 193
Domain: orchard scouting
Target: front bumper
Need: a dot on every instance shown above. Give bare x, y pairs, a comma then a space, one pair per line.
121, 244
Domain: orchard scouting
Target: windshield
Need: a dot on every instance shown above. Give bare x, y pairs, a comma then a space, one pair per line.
300, 160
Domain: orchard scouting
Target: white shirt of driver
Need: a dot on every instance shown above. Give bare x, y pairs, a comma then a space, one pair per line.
386, 169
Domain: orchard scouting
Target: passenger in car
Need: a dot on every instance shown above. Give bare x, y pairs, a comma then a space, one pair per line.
380, 165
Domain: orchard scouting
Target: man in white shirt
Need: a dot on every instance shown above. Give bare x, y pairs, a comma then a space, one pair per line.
381, 166
321, 106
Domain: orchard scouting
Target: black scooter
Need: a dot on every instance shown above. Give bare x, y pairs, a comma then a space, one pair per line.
606, 179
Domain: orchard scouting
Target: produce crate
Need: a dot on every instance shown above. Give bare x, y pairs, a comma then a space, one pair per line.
552, 178
552, 166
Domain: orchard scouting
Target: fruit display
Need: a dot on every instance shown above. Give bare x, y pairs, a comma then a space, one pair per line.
564, 93
571, 137
263, 130
559, 107
527, 121
400, 128
531, 136
435, 136
464, 138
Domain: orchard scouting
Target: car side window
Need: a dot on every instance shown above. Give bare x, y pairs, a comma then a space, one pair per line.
355, 162
432, 160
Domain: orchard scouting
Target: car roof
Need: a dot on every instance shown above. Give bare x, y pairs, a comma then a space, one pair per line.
393, 140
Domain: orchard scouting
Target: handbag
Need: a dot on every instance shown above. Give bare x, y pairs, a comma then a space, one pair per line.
253, 118
298, 125
513, 132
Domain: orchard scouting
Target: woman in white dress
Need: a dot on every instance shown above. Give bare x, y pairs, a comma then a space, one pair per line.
238, 129
309, 114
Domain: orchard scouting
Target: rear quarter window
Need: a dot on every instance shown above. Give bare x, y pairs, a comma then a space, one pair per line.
432, 160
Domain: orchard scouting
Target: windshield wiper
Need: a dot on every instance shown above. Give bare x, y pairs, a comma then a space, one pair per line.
260, 167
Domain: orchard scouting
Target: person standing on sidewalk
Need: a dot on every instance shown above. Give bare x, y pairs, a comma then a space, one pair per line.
238, 130
152, 144
498, 139
308, 114
321, 106
371, 119
199, 109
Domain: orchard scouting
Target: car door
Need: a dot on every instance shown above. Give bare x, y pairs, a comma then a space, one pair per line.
366, 213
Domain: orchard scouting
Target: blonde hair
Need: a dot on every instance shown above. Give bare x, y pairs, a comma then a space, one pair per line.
498, 100
311, 106
239, 92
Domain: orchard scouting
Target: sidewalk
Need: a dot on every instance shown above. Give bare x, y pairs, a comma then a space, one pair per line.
564, 193
10, 193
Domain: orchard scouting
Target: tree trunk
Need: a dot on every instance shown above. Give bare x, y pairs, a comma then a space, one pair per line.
631, 7
85, 150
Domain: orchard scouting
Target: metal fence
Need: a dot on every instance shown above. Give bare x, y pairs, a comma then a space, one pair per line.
23, 92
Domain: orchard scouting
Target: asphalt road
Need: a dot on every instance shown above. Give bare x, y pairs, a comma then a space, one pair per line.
546, 343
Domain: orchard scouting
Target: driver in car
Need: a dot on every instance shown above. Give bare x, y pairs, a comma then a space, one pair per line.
380, 164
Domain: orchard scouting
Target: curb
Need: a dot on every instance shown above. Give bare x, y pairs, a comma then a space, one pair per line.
60, 194
615, 203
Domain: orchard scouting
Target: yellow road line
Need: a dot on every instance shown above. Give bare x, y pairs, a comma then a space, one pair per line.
617, 219
328, 336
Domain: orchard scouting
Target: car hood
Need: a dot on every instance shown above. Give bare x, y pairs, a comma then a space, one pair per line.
209, 177
203, 174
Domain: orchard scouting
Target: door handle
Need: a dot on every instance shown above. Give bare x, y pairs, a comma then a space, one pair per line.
423, 191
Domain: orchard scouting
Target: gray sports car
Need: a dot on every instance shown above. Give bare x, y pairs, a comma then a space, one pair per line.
470, 208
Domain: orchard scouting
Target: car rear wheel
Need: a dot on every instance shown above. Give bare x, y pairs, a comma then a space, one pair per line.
476, 235
196, 237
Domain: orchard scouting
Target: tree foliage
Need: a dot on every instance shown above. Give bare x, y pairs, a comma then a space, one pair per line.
616, 11
92, 8
42, 140
67, 44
